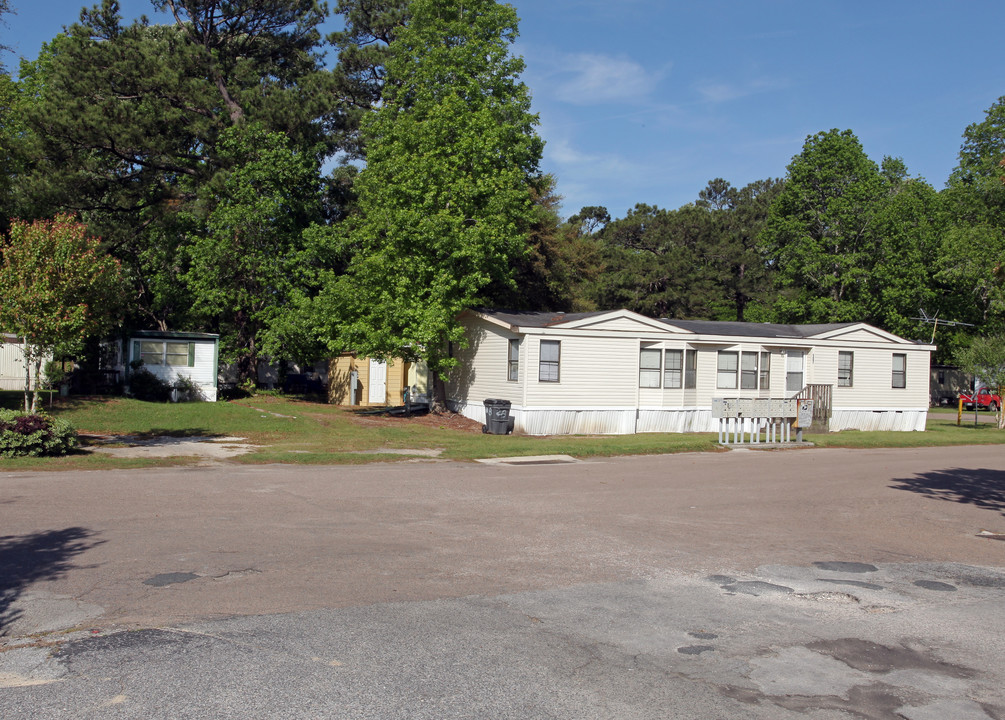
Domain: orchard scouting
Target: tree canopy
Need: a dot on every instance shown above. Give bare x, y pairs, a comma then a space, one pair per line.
58, 289
445, 199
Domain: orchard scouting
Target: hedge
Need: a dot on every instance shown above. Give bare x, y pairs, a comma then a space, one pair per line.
24, 433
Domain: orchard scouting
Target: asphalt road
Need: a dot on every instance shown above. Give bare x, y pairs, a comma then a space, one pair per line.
748, 584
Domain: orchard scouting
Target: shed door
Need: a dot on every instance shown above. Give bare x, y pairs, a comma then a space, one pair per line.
378, 382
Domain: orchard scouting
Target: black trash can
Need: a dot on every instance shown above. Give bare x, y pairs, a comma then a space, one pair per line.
497, 417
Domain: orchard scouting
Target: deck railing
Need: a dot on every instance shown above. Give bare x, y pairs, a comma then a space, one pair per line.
821, 397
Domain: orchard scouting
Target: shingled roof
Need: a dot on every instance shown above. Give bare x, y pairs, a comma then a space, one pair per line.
751, 329
699, 327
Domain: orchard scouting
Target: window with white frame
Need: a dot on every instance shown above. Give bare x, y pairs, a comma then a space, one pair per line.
649, 367
690, 369
765, 378
726, 368
794, 370
673, 366
165, 352
899, 370
748, 371
513, 362
549, 359
846, 368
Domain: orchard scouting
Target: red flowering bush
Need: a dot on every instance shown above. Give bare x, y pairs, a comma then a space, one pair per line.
34, 434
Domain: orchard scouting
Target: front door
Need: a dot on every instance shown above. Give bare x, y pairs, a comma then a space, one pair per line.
378, 382
794, 370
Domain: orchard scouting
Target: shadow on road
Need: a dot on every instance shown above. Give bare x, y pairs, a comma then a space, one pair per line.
25, 559
982, 487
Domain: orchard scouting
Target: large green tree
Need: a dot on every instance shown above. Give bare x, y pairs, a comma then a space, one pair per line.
128, 119
654, 263
733, 256
908, 225
971, 262
976, 182
444, 201
58, 289
251, 266
820, 234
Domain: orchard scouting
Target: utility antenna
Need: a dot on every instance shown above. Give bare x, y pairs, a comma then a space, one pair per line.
934, 322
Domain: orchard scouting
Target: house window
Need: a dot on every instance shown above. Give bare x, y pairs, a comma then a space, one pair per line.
748, 371
846, 365
726, 369
899, 370
649, 368
160, 352
549, 361
672, 368
765, 379
690, 369
793, 371
513, 366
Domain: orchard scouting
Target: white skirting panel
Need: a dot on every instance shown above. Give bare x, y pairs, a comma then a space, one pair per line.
15, 383
598, 421
678, 420
626, 421
863, 419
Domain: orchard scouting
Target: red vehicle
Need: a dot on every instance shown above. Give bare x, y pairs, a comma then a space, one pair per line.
985, 399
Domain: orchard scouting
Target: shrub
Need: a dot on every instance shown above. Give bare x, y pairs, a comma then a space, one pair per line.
188, 389
144, 385
34, 434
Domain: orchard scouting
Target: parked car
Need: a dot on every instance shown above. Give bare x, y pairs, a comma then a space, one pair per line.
985, 399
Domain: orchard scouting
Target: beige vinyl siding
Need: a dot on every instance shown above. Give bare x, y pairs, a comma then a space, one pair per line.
483, 366
872, 375
628, 325
594, 372
12, 366
598, 388
859, 335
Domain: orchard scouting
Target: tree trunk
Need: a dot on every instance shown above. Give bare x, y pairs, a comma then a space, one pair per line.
38, 373
438, 405
27, 373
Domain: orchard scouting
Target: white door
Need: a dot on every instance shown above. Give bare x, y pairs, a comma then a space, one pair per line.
378, 382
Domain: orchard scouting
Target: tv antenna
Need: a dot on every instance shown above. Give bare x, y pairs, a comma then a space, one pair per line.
934, 321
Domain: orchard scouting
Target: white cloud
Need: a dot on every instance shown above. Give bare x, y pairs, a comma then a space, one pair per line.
596, 79
719, 92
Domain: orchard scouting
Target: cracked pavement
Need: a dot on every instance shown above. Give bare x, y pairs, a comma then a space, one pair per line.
823, 583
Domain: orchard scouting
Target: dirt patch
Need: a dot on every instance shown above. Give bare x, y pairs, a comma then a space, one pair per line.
446, 421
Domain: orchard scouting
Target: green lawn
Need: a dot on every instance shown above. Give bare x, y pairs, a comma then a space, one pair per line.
290, 430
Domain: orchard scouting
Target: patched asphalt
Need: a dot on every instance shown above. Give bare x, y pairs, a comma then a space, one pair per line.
708, 585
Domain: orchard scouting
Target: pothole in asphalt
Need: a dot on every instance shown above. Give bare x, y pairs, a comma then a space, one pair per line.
701, 635
757, 588
875, 658
829, 597
854, 583
935, 585
848, 567
695, 649
165, 579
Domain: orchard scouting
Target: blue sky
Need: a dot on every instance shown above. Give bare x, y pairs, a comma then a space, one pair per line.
645, 101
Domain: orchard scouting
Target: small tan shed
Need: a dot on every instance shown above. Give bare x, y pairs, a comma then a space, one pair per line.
378, 383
